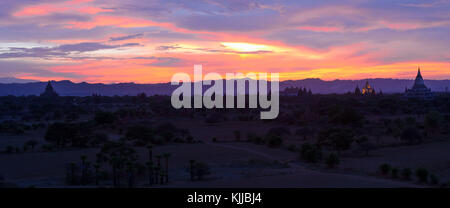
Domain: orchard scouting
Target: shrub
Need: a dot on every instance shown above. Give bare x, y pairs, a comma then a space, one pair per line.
332, 160
434, 180
338, 139
422, 174
292, 148
394, 173
273, 140
279, 131
189, 139
411, 135
32, 143
385, 168
237, 135
200, 170
311, 153
9, 149
406, 173
47, 147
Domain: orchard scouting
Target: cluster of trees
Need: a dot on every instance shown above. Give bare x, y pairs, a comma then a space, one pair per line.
118, 162
141, 134
80, 135
422, 174
273, 138
198, 170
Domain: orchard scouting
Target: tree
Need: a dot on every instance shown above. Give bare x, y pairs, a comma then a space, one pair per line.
32, 143
237, 135
102, 118
167, 156
58, 134
118, 154
141, 135
332, 160
346, 116
191, 169
366, 146
273, 140
201, 170
304, 132
311, 153
338, 139
406, 173
150, 172
422, 174
97, 174
411, 134
385, 168
434, 179
433, 120
394, 172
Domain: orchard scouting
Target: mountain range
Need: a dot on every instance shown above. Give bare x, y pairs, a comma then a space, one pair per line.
68, 88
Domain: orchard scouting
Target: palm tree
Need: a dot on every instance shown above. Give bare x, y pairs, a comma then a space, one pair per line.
97, 167
72, 172
158, 158
130, 174
158, 165
156, 172
150, 152
150, 172
161, 176
191, 168
114, 162
83, 168
166, 156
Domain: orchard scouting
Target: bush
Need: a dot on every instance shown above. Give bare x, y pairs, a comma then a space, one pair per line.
311, 153
332, 160
338, 139
9, 149
385, 168
47, 147
422, 174
292, 148
394, 173
273, 140
411, 135
32, 143
189, 139
434, 180
406, 173
201, 170
237, 135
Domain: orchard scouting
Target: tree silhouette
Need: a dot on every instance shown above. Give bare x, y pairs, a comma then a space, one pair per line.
167, 156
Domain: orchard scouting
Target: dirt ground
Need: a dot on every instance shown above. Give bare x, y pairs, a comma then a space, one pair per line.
233, 164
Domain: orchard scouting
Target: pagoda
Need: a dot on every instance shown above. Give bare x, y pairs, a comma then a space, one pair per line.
49, 91
419, 89
368, 90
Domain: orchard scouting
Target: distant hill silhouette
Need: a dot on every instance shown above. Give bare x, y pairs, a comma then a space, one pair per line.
15, 80
68, 88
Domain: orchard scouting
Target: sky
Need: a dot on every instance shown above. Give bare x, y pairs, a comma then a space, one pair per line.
112, 41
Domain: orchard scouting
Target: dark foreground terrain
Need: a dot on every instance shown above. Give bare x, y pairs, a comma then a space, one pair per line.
141, 141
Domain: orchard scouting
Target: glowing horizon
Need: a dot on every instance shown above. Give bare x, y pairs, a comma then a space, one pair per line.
147, 42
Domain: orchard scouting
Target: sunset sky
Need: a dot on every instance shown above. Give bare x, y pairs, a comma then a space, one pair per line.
143, 41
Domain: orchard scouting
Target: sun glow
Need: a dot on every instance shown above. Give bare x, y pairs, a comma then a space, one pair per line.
247, 47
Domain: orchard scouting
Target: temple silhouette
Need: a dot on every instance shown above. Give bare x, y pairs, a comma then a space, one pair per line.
419, 89
49, 91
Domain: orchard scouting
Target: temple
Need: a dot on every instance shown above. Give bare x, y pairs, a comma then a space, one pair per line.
49, 91
368, 90
419, 90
